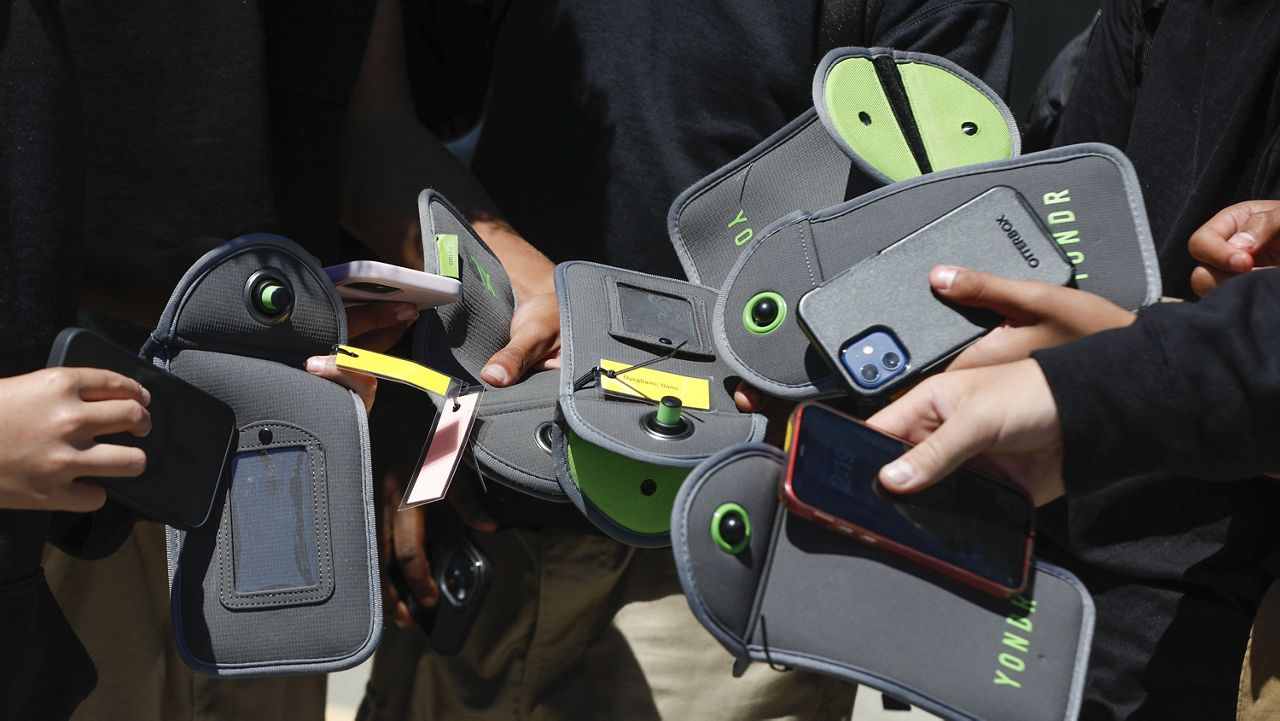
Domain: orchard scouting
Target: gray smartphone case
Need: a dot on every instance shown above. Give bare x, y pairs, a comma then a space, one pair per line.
1087, 196
620, 475
995, 232
799, 595
809, 164
283, 578
510, 441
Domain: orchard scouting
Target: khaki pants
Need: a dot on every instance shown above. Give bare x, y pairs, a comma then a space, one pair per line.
577, 626
1259, 698
119, 606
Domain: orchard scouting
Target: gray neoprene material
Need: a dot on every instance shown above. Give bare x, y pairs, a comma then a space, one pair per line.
806, 597
588, 336
286, 581
798, 167
1087, 195
608, 313
459, 338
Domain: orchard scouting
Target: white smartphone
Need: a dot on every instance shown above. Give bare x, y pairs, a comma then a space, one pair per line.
364, 281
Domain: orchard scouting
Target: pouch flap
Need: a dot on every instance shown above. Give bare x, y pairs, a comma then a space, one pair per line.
653, 306
459, 338
1087, 196
802, 596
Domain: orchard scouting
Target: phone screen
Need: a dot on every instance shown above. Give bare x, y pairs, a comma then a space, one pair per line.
966, 520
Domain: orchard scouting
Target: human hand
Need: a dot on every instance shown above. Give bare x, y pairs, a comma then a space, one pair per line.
1039, 315
375, 326
1236, 240
51, 421
1006, 414
378, 326
534, 344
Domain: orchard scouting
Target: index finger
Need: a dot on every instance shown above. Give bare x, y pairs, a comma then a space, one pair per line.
97, 384
1211, 243
367, 317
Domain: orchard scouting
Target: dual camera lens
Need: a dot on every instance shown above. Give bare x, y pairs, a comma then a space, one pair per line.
874, 358
870, 373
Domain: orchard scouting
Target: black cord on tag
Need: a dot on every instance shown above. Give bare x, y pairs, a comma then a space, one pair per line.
764, 641
337, 348
651, 361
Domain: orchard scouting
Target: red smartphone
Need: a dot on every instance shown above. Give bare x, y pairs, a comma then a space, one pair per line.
969, 527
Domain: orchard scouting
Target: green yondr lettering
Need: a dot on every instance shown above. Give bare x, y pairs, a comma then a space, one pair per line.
485, 277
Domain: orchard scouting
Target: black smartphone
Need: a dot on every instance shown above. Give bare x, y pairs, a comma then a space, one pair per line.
193, 435
879, 324
969, 527
462, 572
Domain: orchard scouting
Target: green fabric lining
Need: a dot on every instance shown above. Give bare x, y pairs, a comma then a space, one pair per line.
852, 88
942, 103
612, 484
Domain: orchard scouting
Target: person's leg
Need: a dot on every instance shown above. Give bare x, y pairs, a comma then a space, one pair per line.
1259, 696
119, 606
548, 600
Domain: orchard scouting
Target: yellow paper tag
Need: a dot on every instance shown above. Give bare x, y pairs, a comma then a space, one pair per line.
394, 369
653, 384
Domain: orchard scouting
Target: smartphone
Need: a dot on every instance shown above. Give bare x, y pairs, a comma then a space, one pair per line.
364, 281
462, 572
193, 435
970, 527
879, 324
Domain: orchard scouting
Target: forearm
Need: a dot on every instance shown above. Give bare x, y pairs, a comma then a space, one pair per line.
1189, 388
388, 157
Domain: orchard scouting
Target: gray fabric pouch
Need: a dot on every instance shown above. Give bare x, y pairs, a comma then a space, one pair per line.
1087, 196
511, 440
798, 595
879, 115
284, 579
612, 462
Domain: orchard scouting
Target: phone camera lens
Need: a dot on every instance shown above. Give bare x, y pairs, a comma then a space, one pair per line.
459, 579
891, 361
869, 373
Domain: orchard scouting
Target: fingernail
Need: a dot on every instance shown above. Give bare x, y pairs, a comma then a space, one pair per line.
315, 364
495, 374
1240, 262
1243, 240
943, 276
146, 396
407, 314
898, 474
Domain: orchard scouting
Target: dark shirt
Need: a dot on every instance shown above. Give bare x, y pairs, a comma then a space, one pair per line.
603, 111
1192, 95
44, 672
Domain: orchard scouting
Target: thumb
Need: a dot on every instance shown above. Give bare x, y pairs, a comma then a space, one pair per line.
1017, 300
535, 335
956, 441
1257, 232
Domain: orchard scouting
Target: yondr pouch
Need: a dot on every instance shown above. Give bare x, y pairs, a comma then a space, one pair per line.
879, 115
791, 593
1087, 196
615, 462
283, 579
888, 294
511, 439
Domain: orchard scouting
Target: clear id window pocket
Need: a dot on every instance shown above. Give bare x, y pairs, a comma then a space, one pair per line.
275, 535
659, 318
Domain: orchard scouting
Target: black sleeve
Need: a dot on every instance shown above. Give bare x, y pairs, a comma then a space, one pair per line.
977, 35
1192, 388
91, 536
